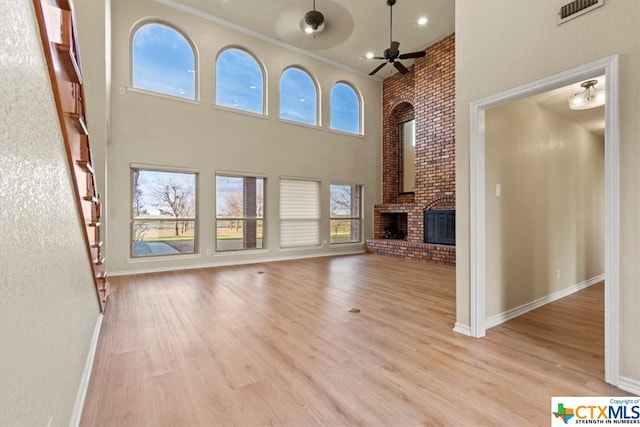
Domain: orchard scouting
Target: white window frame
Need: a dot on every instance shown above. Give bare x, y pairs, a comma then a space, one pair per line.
194, 52
164, 169
261, 68
360, 114
345, 218
256, 218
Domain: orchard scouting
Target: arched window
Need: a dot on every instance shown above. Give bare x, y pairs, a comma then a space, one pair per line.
345, 109
163, 61
298, 97
239, 81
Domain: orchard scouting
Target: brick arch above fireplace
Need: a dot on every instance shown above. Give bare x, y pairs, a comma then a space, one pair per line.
402, 111
447, 202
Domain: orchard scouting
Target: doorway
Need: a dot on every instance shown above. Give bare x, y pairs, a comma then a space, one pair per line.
609, 68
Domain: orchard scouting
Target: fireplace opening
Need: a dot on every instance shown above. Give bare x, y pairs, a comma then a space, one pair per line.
440, 227
394, 225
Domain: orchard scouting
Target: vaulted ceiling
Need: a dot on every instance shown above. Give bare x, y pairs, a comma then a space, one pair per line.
352, 28
355, 27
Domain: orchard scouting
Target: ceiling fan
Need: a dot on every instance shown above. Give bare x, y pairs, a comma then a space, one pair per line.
392, 54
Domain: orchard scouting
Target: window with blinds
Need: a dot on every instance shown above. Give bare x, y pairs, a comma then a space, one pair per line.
299, 213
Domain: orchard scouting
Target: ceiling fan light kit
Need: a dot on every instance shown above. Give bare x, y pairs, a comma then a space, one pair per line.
392, 54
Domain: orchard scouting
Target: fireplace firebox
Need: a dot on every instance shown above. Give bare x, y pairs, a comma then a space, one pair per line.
440, 227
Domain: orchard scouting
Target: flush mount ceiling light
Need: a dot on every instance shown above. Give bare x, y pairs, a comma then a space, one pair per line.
589, 98
313, 21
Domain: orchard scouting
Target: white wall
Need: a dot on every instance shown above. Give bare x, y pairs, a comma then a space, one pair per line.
48, 303
156, 130
550, 213
502, 45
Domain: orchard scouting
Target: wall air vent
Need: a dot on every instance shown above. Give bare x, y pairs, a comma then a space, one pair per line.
577, 8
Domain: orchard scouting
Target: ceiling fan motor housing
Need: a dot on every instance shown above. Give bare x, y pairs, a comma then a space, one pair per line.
314, 19
388, 55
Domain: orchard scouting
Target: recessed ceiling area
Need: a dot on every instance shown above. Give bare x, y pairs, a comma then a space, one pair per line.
557, 101
352, 28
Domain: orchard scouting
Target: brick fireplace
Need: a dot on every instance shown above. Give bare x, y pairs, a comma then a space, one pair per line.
427, 95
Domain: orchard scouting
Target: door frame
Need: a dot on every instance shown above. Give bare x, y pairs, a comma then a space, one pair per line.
609, 67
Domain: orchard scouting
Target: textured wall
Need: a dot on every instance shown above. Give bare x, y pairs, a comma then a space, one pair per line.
48, 304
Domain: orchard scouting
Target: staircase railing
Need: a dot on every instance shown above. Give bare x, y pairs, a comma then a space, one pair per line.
56, 21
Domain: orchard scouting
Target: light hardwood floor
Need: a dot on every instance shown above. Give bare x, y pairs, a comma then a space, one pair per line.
275, 344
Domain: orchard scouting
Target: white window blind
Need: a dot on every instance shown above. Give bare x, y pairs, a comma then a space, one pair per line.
299, 213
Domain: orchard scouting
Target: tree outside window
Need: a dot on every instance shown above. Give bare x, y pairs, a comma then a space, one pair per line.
239, 212
163, 212
345, 213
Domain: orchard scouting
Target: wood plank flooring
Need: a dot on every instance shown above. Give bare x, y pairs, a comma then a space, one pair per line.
275, 344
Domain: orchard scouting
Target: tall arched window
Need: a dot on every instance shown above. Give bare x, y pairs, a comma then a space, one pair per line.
163, 61
239, 81
345, 109
298, 97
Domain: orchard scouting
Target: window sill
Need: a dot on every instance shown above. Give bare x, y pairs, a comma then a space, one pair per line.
162, 258
238, 111
343, 133
306, 125
240, 252
161, 95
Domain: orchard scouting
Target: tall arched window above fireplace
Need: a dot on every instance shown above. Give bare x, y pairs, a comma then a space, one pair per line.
407, 153
392, 156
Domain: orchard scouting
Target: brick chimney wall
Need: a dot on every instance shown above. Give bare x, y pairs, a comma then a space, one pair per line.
427, 94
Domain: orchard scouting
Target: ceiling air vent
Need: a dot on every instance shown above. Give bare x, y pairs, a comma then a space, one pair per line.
577, 8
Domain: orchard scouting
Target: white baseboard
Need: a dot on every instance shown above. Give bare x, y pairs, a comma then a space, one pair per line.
462, 329
86, 375
630, 385
518, 311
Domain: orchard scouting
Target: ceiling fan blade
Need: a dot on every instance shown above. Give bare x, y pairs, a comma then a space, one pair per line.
393, 49
400, 67
419, 54
377, 68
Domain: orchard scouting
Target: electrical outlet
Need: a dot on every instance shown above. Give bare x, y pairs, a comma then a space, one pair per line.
558, 274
